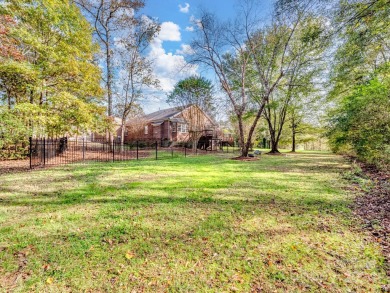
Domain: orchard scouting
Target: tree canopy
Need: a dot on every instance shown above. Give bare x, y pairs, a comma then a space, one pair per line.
47, 75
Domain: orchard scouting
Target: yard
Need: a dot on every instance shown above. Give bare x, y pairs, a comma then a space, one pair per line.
206, 223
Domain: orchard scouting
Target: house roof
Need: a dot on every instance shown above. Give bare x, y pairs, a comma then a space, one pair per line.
171, 114
162, 115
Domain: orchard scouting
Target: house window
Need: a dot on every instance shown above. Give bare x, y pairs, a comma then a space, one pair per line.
183, 128
174, 127
146, 129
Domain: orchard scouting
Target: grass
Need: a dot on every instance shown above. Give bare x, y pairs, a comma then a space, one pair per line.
194, 224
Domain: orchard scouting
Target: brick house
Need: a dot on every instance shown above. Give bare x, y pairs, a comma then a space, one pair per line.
116, 131
173, 125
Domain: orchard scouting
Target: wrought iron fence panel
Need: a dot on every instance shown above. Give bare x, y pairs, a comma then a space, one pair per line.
60, 151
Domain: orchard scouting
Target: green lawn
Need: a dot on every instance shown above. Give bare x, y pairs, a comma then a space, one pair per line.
194, 224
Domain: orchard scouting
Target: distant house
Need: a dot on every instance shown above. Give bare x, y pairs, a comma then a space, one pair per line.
173, 125
116, 131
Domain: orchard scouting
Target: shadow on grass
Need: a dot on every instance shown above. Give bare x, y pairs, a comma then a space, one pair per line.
200, 187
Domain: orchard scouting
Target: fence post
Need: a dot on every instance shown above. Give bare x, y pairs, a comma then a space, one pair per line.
185, 151
83, 149
172, 152
156, 148
30, 151
44, 151
137, 149
113, 150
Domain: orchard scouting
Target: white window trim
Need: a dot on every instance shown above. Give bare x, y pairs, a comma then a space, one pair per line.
182, 128
146, 129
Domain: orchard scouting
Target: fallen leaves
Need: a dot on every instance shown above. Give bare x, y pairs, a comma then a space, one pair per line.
129, 255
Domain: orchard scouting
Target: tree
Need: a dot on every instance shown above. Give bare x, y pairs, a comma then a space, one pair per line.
220, 47
57, 67
196, 92
362, 32
360, 125
287, 58
136, 72
111, 19
359, 120
251, 60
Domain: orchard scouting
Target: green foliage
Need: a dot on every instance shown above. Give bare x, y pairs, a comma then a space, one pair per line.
12, 128
55, 88
193, 90
361, 124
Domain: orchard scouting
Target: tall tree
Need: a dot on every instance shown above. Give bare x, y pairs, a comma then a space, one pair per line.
285, 55
136, 72
301, 80
111, 19
57, 66
221, 47
249, 59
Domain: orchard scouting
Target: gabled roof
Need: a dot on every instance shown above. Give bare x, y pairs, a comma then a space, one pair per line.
172, 114
162, 115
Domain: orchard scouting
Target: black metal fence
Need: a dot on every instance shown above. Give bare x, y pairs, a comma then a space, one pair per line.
49, 152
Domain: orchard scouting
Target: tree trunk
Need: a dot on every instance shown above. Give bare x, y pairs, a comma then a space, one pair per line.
274, 146
244, 150
31, 97
123, 126
109, 80
274, 143
293, 142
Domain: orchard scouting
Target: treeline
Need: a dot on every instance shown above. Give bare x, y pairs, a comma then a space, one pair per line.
269, 70
316, 69
67, 66
49, 82
359, 124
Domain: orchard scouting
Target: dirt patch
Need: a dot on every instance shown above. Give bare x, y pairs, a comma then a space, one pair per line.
10, 281
275, 154
373, 207
246, 159
12, 166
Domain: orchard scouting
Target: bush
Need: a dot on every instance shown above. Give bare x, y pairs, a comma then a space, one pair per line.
13, 135
360, 126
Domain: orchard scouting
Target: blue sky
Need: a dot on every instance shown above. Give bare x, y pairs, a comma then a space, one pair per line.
171, 48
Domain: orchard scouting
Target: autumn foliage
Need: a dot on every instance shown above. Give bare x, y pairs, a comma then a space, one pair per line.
8, 45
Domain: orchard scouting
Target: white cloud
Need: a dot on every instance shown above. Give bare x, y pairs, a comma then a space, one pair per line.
185, 8
185, 50
169, 32
189, 28
195, 21
169, 68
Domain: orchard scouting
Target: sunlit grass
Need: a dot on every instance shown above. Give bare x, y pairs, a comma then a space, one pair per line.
202, 223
